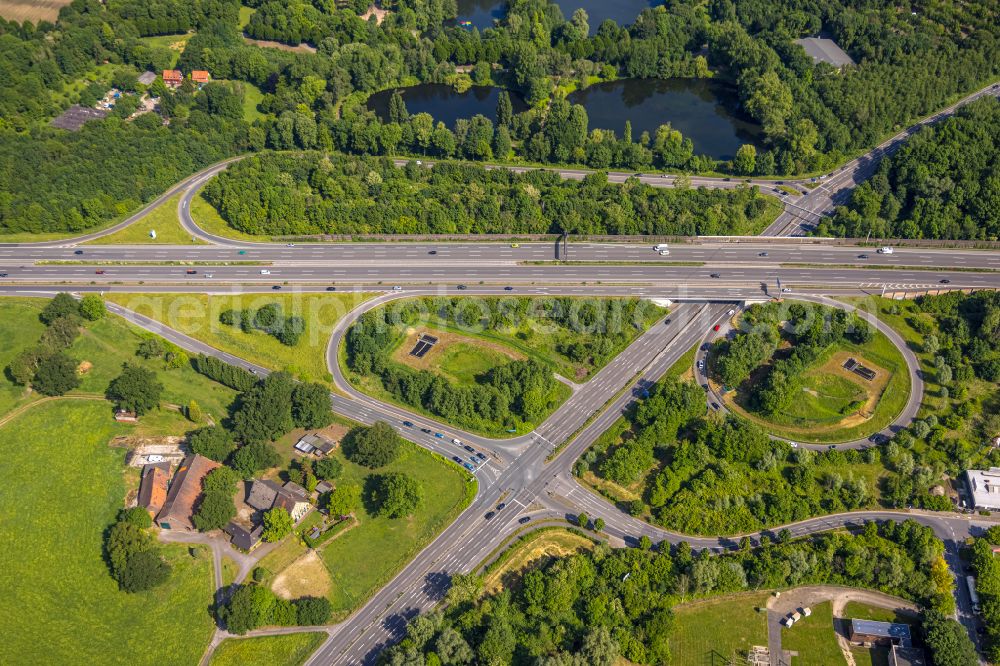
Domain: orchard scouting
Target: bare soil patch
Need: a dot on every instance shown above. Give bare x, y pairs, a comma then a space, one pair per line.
306, 576
267, 44
534, 553
377, 12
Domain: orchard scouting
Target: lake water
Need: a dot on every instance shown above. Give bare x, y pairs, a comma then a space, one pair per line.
483, 13
444, 103
703, 110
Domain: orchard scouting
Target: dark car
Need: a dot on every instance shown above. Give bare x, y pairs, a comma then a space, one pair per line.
408, 424
490, 514
480, 455
457, 459
715, 275
715, 406
331, 289
191, 271
426, 431
99, 271
944, 281
433, 252
508, 288
526, 519
705, 386
468, 448
462, 287
3, 275
762, 254
501, 505
862, 256
276, 287
78, 252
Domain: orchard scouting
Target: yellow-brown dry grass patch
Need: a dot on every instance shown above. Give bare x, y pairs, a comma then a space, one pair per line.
306, 576
31, 10
535, 551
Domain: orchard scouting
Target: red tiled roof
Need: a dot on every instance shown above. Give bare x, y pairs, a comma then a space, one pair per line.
153, 488
184, 492
172, 75
199, 76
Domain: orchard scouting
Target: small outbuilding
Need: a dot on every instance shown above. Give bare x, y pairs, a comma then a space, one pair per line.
879, 633
123, 416
146, 78
821, 49
316, 444
243, 538
907, 656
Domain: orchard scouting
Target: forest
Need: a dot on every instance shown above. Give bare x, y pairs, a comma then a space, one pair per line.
943, 183
600, 605
311, 193
908, 64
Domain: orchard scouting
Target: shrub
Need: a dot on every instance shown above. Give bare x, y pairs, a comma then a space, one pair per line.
92, 307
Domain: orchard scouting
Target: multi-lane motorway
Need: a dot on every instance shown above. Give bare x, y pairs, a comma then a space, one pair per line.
706, 276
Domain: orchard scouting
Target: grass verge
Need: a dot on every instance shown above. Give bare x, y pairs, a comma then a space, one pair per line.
814, 639
284, 650
717, 631
162, 219
197, 315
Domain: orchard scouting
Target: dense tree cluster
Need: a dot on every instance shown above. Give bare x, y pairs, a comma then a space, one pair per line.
133, 554
216, 508
987, 571
811, 331
226, 374
943, 183
270, 319
597, 606
46, 367
252, 606
281, 194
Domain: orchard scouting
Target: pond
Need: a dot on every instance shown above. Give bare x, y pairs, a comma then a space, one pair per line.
483, 13
703, 110
444, 103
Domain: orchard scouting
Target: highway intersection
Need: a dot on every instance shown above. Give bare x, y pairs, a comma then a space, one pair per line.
530, 473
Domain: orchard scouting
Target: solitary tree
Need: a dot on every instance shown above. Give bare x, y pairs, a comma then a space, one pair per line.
599, 525
583, 520
376, 446
92, 307
277, 524
150, 348
396, 495
344, 499
135, 389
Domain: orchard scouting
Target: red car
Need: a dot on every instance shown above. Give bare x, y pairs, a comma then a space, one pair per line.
715, 328
99, 271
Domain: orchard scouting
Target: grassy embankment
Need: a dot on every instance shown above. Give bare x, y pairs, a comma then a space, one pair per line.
286, 650
197, 315
162, 219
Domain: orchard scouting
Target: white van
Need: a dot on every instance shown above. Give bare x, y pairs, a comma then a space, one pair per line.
664, 253
661, 247
264, 271
885, 250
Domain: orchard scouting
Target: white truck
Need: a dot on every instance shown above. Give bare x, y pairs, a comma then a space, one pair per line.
971, 582
885, 250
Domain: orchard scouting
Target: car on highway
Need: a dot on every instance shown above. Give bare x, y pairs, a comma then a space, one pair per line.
515, 245
456, 440
242, 252
701, 364
762, 254
480, 455
885, 250
264, 271
78, 252
276, 287
397, 288
716, 328
461, 287
862, 256
408, 424
439, 435
191, 271
508, 288
664, 253
468, 448
489, 515
944, 281
794, 445
715, 276
99, 271
501, 506
786, 290
289, 244
3, 275
524, 520
715, 406
433, 252
426, 431
469, 467
704, 386
331, 289
457, 459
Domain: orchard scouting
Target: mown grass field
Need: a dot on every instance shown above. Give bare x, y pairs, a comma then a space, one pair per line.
175, 43
816, 416
60, 487
814, 639
286, 650
717, 630
162, 219
364, 558
197, 315
107, 344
